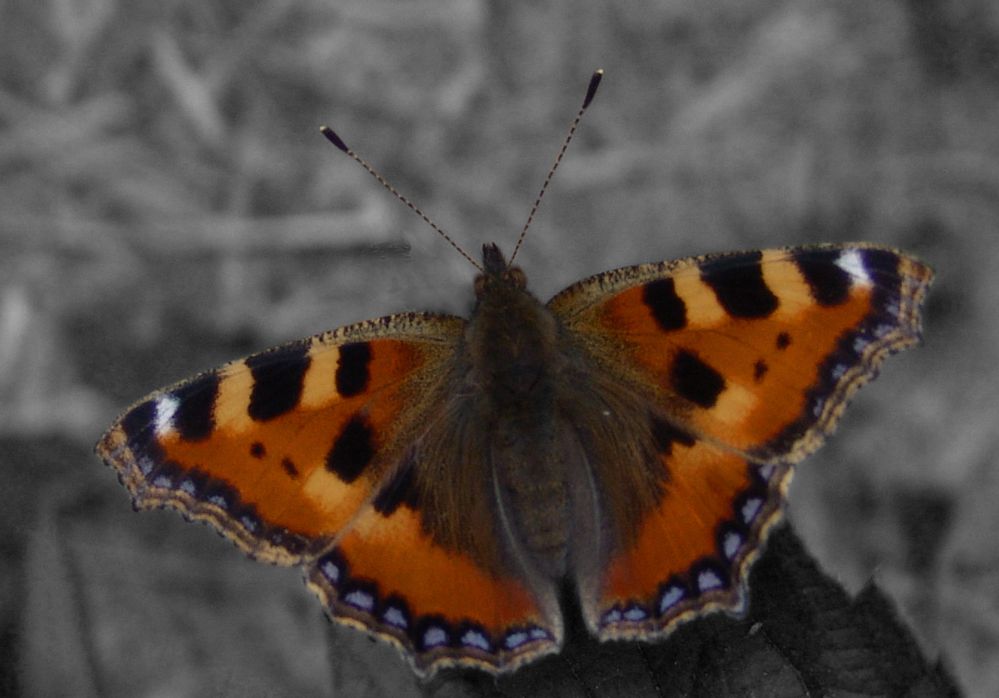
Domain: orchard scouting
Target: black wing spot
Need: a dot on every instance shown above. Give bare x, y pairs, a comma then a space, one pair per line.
760, 369
137, 423
694, 380
399, 491
881, 263
352, 451
668, 309
828, 282
278, 380
194, 418
288, 465
783, 341
353, 368
665, 435
257, 450
739, 286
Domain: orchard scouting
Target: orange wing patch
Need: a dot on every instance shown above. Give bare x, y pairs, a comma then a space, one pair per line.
277, 450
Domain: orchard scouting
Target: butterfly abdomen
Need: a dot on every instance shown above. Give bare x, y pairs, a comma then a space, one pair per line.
532, 492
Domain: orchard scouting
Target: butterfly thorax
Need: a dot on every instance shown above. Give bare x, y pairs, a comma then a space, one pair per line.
512, 340
515, 365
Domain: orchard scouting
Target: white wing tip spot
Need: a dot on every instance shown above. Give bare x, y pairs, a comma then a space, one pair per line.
852, 263
166, 407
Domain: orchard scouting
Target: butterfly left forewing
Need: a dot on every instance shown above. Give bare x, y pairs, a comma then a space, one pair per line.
274, 450
742, 364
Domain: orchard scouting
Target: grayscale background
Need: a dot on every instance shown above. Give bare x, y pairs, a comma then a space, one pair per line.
167, 204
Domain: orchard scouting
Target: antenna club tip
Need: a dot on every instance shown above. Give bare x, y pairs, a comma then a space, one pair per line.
591, 90
333, 138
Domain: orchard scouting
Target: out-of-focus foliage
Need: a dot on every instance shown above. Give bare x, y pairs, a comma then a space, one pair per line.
166, 203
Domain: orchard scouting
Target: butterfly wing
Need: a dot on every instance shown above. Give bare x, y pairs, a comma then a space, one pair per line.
742, 364
309, 454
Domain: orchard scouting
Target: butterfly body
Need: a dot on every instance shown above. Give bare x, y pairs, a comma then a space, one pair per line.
438, 479
517, 372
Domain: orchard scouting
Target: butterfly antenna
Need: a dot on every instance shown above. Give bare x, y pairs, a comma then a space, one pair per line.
591, 91
333, 138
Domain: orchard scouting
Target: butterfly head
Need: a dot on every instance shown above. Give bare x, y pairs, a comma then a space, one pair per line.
497, 273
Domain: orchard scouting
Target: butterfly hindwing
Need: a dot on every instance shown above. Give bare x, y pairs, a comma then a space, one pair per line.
745, 361
691, 553
439, 605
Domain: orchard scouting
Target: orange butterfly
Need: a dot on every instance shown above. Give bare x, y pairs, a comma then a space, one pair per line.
440, 479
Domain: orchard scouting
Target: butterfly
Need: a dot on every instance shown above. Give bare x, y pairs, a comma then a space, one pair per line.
440, 480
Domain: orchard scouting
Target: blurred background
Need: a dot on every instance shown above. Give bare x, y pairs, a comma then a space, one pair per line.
167, 204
